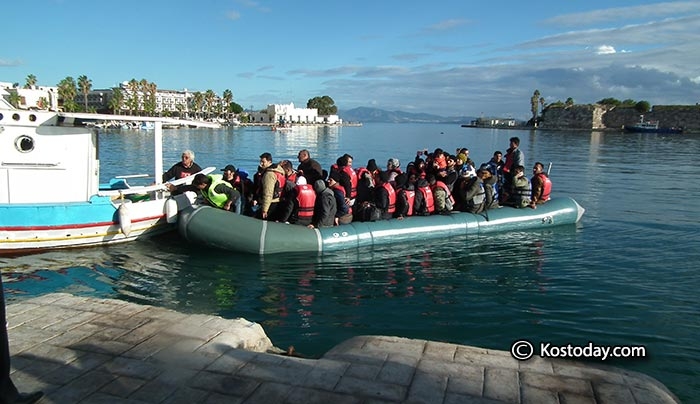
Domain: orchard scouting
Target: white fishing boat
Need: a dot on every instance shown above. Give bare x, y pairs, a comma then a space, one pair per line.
50, 194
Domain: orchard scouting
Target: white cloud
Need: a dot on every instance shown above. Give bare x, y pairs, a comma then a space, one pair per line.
605, 50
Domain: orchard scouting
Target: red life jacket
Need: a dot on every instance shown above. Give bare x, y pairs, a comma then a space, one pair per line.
279, 185
392, 197
428, 198
342, 191
293, 177
306, 198
353, 180
410, 198
508, 166
546, 188
447, 190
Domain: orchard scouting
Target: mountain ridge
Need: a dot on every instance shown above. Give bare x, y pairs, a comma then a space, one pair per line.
368, 114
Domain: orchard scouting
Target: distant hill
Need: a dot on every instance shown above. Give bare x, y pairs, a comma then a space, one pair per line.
366, 114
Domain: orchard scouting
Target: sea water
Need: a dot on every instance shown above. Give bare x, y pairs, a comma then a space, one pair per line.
628, 274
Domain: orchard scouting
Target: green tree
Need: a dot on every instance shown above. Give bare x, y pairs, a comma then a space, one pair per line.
15, 98
535, 104
569, 102
85, 85
210, 100
133, 101
197, 103
31, 81
236, 108
228, 99
642, 106
67, 91
610, 101
117, 100
629, 103
42, 103
325, 105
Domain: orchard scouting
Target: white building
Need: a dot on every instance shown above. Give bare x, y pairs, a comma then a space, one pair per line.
288, 113
34, 97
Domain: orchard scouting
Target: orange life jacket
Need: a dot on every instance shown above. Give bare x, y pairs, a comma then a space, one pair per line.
392, 197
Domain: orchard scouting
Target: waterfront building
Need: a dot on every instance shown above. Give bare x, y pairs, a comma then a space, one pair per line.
35, 97
288, 113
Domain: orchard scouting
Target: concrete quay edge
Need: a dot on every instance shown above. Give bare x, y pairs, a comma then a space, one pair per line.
89, 350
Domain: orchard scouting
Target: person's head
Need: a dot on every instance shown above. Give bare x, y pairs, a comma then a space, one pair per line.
401, 180
431, 179
519, 171
393, 164
303, 155
319, 186
287, 167
514, 142
372, 165
484, 174
451, 161
497, 156
382, 177
229, 172
345, 160
187, 158
333, 178
538, 168
301, 180
265, 160
201, 181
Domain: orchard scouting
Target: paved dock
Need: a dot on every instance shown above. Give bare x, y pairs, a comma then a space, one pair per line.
87, 350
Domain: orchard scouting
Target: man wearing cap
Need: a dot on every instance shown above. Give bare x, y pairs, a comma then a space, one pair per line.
216, 191
230, 175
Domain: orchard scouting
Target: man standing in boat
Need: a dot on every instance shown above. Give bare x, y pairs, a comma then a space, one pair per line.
309, 167
181, 169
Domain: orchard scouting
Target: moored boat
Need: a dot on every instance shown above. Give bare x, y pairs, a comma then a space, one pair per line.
650, 127
225, 230
50, 195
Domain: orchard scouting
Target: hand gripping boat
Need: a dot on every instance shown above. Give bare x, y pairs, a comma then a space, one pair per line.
226, 230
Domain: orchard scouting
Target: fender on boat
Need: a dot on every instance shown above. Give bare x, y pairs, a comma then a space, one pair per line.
171, 210
124, 219
226, 230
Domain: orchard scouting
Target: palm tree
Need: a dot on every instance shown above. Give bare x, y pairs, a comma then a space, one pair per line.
117, 100
15, 98
42, 103
67, 91
198, 102
85, 85
133, 101
228, 99
31, 81
210, 97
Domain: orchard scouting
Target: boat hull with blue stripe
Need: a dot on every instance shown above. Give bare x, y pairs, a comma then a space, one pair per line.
225, 230
50, 195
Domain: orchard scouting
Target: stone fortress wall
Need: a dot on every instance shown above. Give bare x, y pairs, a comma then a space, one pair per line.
599, 117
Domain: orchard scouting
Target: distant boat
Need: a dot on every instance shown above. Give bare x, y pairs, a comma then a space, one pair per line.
650, 127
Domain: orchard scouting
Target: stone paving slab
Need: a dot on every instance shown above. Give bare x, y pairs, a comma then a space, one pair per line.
86, 350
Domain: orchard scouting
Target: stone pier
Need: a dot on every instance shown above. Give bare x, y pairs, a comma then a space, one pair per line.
87, 350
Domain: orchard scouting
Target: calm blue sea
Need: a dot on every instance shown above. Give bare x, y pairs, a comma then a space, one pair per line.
627, 274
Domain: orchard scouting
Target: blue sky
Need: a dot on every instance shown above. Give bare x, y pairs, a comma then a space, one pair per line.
452, 57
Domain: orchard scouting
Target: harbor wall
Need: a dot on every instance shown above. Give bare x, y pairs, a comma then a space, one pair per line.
600, 117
